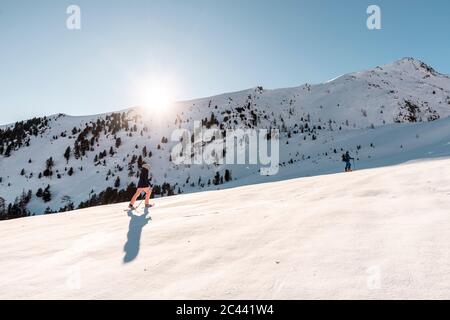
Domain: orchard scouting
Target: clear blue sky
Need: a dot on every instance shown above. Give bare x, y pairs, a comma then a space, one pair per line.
204, 47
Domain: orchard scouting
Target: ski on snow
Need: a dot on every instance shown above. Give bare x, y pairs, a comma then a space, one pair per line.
136, 209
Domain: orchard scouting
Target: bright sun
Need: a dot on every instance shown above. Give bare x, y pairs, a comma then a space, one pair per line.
156, 97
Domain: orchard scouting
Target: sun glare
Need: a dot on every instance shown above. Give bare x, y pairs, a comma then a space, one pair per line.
156, 98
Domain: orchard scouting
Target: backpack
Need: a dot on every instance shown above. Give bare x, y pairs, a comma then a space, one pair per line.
344, 157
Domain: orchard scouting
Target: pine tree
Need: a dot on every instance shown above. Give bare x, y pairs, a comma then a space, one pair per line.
23, 201
118, 142
67, 154
227, 175
49, 165
144, 151
117, 183
8, 150
216, 180
2, 207
77, 151
46, 195
29, 195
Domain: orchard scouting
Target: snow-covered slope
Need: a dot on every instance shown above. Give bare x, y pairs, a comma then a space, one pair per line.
378, 233
387, 115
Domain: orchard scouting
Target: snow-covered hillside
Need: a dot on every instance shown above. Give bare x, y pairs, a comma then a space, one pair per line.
382, 116
378, 233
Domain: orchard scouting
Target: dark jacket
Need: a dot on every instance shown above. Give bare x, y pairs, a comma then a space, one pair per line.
144, 182
347, 157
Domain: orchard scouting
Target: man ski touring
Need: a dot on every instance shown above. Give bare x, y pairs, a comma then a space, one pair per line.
143, 186
347, 158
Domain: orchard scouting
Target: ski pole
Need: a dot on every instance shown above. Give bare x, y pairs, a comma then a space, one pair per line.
354, 167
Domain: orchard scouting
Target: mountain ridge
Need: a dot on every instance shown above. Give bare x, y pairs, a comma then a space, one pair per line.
251, 89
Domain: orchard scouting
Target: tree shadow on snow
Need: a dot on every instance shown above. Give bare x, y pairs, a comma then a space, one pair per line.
137, 223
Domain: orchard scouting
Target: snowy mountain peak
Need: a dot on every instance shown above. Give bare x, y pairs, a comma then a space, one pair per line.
409, 64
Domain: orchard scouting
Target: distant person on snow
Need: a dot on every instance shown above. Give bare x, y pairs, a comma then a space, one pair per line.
346, 158
143, 186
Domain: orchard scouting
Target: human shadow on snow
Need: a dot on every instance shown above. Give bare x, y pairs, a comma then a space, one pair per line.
137, 223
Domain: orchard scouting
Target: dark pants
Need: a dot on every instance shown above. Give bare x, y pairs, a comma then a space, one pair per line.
348, 165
